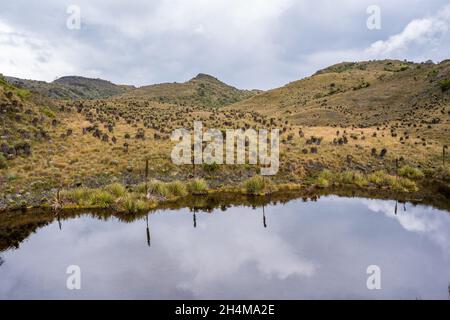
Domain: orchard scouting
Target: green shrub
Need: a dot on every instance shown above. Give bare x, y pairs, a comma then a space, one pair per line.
48, 112
210, 167
197, 186
116, 189
445, 84
23, 93
410, 173
3, 163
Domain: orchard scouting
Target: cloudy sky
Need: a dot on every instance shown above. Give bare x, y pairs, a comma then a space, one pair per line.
249, 44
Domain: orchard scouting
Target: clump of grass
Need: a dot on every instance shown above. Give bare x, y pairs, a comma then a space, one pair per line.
405, 185
324, 179
177, 189
353, 178
410, 173
116, 189
86, 197
79, 196
3, 163
381, 179
101, 198
197, 187
141, 188
158, 188
258, 185
132, 203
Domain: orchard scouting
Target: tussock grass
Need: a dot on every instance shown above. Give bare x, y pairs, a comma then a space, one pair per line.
379, 179
258, 185
116, 189
410, 173
177, 188
197, 187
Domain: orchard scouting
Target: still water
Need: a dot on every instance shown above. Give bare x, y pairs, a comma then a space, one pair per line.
296, 250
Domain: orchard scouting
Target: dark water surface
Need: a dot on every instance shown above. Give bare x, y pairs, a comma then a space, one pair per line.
295, 250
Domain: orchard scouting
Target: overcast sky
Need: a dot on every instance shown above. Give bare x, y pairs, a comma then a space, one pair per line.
249, 44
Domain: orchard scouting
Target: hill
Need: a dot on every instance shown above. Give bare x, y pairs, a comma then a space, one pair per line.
71, 87
202, 90
359, 94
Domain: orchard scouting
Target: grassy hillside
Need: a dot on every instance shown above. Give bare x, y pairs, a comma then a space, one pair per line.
203, 90
360, 94
375, 140
71, 87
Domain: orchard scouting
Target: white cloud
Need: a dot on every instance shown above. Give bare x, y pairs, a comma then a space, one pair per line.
26, 56
423, 32
249, 44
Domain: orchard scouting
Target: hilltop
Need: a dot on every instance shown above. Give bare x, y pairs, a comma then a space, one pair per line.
203, 90
71, 87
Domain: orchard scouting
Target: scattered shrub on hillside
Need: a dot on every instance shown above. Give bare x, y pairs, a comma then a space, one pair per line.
445, 84
3, 163
48, 112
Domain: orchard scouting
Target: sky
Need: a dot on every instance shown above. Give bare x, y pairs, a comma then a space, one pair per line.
252, 44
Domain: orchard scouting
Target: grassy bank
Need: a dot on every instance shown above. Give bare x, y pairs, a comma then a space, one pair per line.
146, 196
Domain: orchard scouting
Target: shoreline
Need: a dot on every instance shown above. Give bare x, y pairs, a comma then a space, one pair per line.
428, 193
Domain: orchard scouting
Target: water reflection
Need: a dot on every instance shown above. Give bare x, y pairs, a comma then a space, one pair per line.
313, 249
148, 231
